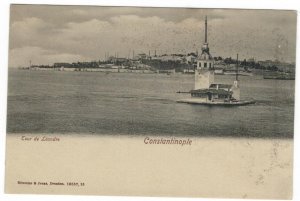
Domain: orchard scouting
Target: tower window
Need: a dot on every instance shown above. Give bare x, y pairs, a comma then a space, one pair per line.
205, 65
210, 65
199, 64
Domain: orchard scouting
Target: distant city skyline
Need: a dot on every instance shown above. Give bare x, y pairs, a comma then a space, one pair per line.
48, 34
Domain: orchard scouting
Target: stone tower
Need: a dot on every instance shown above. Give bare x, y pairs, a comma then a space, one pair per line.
204, 73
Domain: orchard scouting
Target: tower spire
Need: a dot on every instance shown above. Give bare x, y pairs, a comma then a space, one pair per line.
205, 29
204, 73
205, 49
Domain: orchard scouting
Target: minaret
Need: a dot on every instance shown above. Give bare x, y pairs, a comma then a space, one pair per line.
204, 73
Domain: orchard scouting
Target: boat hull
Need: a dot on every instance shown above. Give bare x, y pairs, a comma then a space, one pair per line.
279, 76
199, 102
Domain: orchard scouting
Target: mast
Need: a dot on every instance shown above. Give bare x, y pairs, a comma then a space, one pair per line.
237, 67
205, 29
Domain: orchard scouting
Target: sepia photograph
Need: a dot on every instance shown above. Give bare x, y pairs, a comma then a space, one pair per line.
141, 101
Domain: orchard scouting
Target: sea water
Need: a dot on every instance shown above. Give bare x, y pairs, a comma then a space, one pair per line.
142, 104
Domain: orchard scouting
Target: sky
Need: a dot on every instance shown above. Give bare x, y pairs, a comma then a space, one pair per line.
45, 34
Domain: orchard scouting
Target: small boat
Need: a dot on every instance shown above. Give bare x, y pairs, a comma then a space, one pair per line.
216, 103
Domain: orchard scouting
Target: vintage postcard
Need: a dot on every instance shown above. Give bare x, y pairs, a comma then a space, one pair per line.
178, 102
